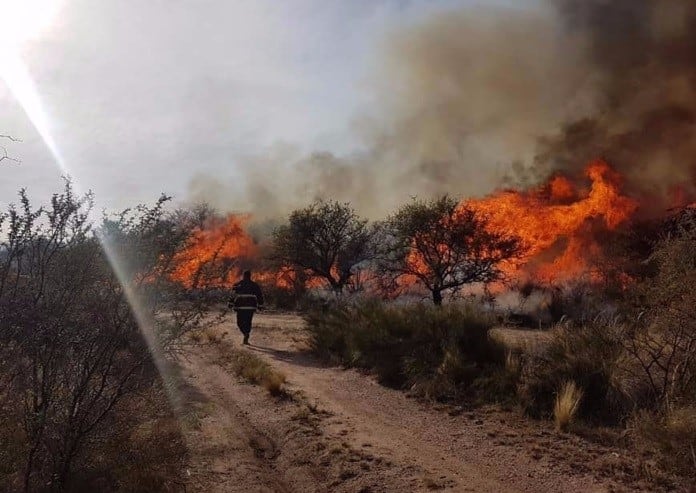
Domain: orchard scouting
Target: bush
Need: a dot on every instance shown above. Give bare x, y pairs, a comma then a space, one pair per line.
439, 352
590, 356
77, 323
671, 439
662, 340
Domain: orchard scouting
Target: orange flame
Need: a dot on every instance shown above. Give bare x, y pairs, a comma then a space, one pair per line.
554, 221
223, 242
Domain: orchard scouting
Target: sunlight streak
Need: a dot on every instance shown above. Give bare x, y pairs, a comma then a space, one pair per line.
20, 83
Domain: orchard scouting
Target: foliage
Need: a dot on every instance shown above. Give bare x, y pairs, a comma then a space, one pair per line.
327, 240
443, 245
589, 355
440, 353
662, 339
73, 304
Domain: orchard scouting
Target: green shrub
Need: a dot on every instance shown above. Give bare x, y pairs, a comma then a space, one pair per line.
439, 352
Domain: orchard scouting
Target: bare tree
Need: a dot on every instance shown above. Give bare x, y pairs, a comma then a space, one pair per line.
443, 246
4, 156
327, 240
662, 340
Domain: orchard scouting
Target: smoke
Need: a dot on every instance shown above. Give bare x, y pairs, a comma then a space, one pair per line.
644, 53
471, 100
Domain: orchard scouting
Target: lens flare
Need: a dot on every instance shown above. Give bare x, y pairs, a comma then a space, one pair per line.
22, 20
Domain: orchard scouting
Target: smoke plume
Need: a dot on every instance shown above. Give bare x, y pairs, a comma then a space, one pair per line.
643, 53
468, 101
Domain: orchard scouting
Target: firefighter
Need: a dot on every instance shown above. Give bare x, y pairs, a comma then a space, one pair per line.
247, 298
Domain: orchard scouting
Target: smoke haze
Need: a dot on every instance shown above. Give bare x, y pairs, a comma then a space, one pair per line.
472, 100
644, 53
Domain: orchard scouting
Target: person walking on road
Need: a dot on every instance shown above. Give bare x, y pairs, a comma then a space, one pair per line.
247, 298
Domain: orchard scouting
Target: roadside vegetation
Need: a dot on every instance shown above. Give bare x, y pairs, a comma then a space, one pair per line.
631, 369
88, 318
439, 353
255, 370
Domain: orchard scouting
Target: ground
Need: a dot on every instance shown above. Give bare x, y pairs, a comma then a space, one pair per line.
338, 430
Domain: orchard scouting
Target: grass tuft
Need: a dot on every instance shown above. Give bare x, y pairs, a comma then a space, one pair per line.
567, 404
256, 371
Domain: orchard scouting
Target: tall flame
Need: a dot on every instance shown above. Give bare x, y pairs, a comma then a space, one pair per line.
555, 220
557, 223
217, 248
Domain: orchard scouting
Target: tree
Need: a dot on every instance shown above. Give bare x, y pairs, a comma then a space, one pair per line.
328, 240
443, 245
3, 150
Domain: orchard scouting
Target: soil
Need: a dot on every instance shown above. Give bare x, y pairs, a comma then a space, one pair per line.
339, 430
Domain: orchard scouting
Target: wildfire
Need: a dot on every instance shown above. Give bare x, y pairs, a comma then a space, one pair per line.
557, 223
222, 243
556, 220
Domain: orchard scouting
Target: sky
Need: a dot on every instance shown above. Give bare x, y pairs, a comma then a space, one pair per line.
142, 96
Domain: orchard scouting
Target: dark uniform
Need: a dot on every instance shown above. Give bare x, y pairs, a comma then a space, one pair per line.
246, 300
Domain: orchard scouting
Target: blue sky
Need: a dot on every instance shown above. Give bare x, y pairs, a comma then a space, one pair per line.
143, 96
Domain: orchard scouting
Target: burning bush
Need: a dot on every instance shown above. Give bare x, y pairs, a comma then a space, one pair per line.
559, 222
444, 246
215, 252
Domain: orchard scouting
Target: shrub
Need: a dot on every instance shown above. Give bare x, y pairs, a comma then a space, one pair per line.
77, 323
590, 356
439, 352
671, 439
662, 340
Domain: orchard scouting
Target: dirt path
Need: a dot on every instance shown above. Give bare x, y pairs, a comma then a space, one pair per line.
341, 431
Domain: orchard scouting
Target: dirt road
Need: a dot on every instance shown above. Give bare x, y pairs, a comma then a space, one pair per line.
340, 431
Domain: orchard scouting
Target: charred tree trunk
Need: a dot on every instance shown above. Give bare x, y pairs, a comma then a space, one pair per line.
437, 297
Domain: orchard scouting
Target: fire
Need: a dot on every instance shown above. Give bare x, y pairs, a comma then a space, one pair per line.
214, 256
211, 257
555, 221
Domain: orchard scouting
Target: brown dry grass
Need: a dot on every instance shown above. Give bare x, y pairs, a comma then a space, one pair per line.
566, 406
670, 439
256, 371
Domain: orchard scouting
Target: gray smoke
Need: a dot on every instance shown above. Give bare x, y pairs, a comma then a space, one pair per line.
467, 100
644, 55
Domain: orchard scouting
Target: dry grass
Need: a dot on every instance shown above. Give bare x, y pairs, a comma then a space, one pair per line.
513, 362
214, 336
210, 335
255, 370
670, 439
196, 336
566, 406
